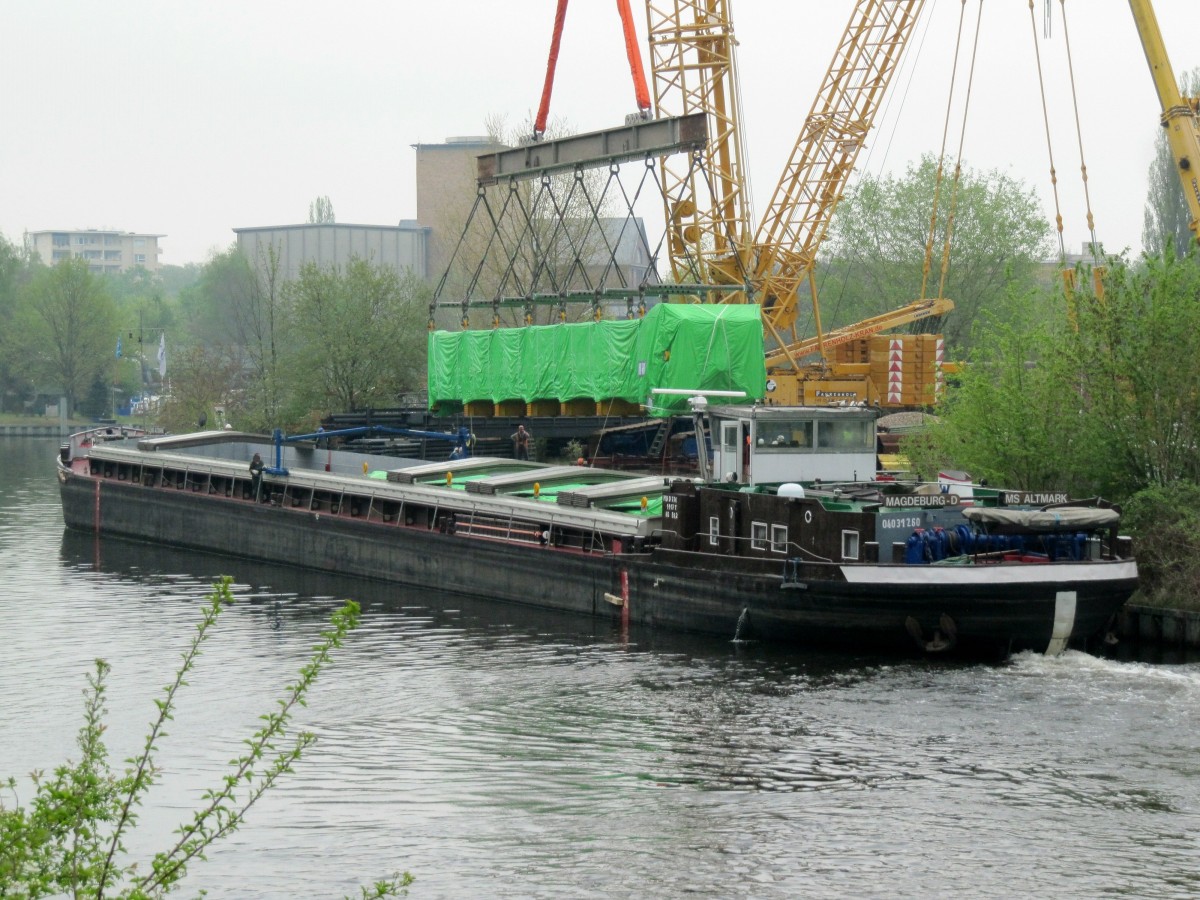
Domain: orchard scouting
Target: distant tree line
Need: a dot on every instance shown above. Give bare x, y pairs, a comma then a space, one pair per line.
93, 339
264, 351
284, 353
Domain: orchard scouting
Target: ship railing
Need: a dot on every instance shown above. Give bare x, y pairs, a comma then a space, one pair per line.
506, 531
525, 532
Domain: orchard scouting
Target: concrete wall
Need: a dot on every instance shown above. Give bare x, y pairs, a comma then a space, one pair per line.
446, 191
1159, 627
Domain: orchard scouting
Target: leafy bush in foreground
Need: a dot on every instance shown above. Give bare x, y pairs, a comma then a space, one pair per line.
70, 840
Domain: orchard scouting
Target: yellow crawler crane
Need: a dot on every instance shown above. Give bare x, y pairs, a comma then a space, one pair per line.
693, 61
1179, 113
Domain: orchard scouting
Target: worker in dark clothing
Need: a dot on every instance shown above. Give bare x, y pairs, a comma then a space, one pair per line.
521, 439
256, 468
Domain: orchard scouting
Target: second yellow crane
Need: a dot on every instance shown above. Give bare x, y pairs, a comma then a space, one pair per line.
693, 61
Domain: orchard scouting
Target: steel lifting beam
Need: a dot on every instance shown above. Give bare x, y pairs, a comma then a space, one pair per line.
653, 138
656, 289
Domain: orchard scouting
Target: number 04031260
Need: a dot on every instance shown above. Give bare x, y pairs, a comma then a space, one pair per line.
901, 522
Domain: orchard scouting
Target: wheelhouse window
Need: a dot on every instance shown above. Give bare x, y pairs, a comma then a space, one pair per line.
779, 539
848, 434
778, 435
849, 545
729, 439
758, 535
714, 530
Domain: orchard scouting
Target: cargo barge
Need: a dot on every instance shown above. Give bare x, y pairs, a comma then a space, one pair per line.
786, 538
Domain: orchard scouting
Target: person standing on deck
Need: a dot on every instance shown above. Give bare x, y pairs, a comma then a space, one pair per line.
256, 468
520, 439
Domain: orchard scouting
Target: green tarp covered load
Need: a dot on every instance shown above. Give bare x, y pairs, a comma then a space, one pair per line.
689, 346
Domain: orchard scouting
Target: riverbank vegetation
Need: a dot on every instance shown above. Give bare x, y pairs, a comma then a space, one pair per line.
1100, 399
69, 840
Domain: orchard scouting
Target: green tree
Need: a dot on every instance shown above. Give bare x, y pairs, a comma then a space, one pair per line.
175, 279
12, 265
236, 311
1165, 524
1167, 215
136, 282
361, 335
263, 327
141, 319
71, 839
878, 238
1109, 405
15, 272
66, 329
144, 311
208, 307
320, 211
1002, 419
1134, 354
203, 379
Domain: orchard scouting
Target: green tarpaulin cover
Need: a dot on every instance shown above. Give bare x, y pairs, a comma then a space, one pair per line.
689, 346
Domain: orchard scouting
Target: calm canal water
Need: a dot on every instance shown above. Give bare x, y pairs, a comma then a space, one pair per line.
494, 751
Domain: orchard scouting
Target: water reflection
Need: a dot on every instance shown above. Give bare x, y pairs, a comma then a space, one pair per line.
390, 605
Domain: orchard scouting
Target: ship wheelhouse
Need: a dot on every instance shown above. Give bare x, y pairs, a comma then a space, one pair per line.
770, 445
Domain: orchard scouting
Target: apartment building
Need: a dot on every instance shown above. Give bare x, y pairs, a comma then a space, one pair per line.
106, 252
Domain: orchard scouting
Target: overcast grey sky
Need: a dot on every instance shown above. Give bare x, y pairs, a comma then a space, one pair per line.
190, 119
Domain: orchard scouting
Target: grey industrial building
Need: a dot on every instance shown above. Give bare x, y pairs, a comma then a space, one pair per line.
402, 247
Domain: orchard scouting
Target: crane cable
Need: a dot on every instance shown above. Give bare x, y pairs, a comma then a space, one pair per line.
937, 185
641, 91
636, 68
1058, 220
1095, 248
539, 124
962, 135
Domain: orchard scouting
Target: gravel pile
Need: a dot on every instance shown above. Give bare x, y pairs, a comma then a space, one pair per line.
906, 421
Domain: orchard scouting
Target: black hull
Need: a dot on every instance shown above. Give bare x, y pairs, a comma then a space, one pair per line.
710, 593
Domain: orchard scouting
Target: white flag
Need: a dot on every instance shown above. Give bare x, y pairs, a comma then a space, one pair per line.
162, 356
